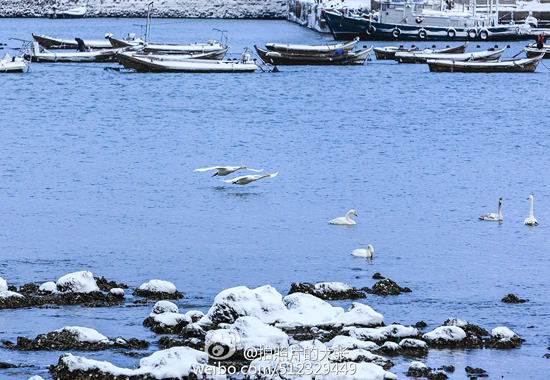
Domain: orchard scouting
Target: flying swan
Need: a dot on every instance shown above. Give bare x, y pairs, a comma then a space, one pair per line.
493, 216
531, 220
369, 252
344, 220
246, 179
222, 171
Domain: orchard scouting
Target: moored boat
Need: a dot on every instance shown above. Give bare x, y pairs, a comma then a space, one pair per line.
209, 46
145, 64
131, 64
60, 43
423, 20
388, 52
509, 66
130, 40
336, 58
413, 57
312, 49
38, 54
10, 64
70, 13
532, 51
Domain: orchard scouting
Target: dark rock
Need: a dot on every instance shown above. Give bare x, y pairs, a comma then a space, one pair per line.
547, 356
420, 324
325, 294
499, 343
7, 365
437, 375
418, 372
512, 298
167, 342
387, 287
475, 372
28, 289
302, 333
106, 286
92, 299
161, 328
378, 276
12, 288
66, 340
157, 295
447, 368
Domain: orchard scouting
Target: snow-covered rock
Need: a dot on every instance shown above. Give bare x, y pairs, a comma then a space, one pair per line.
85, 334
48, 287
3, 285
417, 365
382, 333
351, 343
176, 362
119, 292
195, 315
455, 322
264, 303
9, 294
359, 314
164, 307
309, 310
77, 282
158, 286
410, 343
448, 333
36, 377
503, 333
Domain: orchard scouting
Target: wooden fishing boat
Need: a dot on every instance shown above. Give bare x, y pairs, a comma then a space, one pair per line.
145, 64
312, 49
534, 52
486, 55
344, 58
209, 46
70, 13
10, 64
38, 54
388, 52
129, 41
524, 65
130, 64
59, 43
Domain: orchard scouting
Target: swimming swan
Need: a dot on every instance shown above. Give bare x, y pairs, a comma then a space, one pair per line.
369, 252
246, 179
344, 220
493, 216
531, 220
225, 170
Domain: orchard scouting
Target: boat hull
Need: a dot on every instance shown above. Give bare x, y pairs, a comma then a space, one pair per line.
513, 66
282, 59
389, 52
91, 56
312, 49
59, 43
347, 27
534, 52
474, 56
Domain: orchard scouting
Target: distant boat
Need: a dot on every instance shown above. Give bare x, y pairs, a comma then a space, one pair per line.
71, 13
340, 58
421, 57
12, 65
144, 64
60, 43
525, 65
388, 52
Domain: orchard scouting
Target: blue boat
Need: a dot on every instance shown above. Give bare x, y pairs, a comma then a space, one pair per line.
419, 20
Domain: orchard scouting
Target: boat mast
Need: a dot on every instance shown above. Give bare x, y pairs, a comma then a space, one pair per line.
147, 25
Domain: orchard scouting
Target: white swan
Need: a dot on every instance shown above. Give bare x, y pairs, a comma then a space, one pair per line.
493, 216
344, 220
246, 179
531, 220
369, 252
225, 170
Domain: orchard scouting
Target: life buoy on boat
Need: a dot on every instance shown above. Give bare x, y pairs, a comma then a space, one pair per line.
484, 34
371, 30
419, 20
396, 33
472, 33
422, 34
451, 33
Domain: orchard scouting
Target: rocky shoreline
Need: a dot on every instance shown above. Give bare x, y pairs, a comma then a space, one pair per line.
254, 9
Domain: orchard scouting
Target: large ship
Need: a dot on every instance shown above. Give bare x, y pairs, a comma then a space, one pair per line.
424, 20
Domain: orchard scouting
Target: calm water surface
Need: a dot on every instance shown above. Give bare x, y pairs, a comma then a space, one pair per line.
97, 174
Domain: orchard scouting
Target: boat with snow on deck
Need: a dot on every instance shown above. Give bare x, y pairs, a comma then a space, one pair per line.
424, 20
388, 52
485, 55
525, 65
312, 49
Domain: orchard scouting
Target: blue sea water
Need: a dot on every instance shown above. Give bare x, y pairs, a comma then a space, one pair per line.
97, 174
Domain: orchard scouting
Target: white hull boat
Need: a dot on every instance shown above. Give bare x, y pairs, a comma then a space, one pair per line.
12, 65
50, 42
486, 55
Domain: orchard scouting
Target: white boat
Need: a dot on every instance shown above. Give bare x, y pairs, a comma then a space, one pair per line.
70, 13
525, 65
50, 42
412, 57
130, 40
312, 49
388, 52
10, 64
215, 55
144, 64
36, 53
209, 46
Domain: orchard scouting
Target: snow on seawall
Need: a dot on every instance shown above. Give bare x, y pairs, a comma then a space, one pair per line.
269, 9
